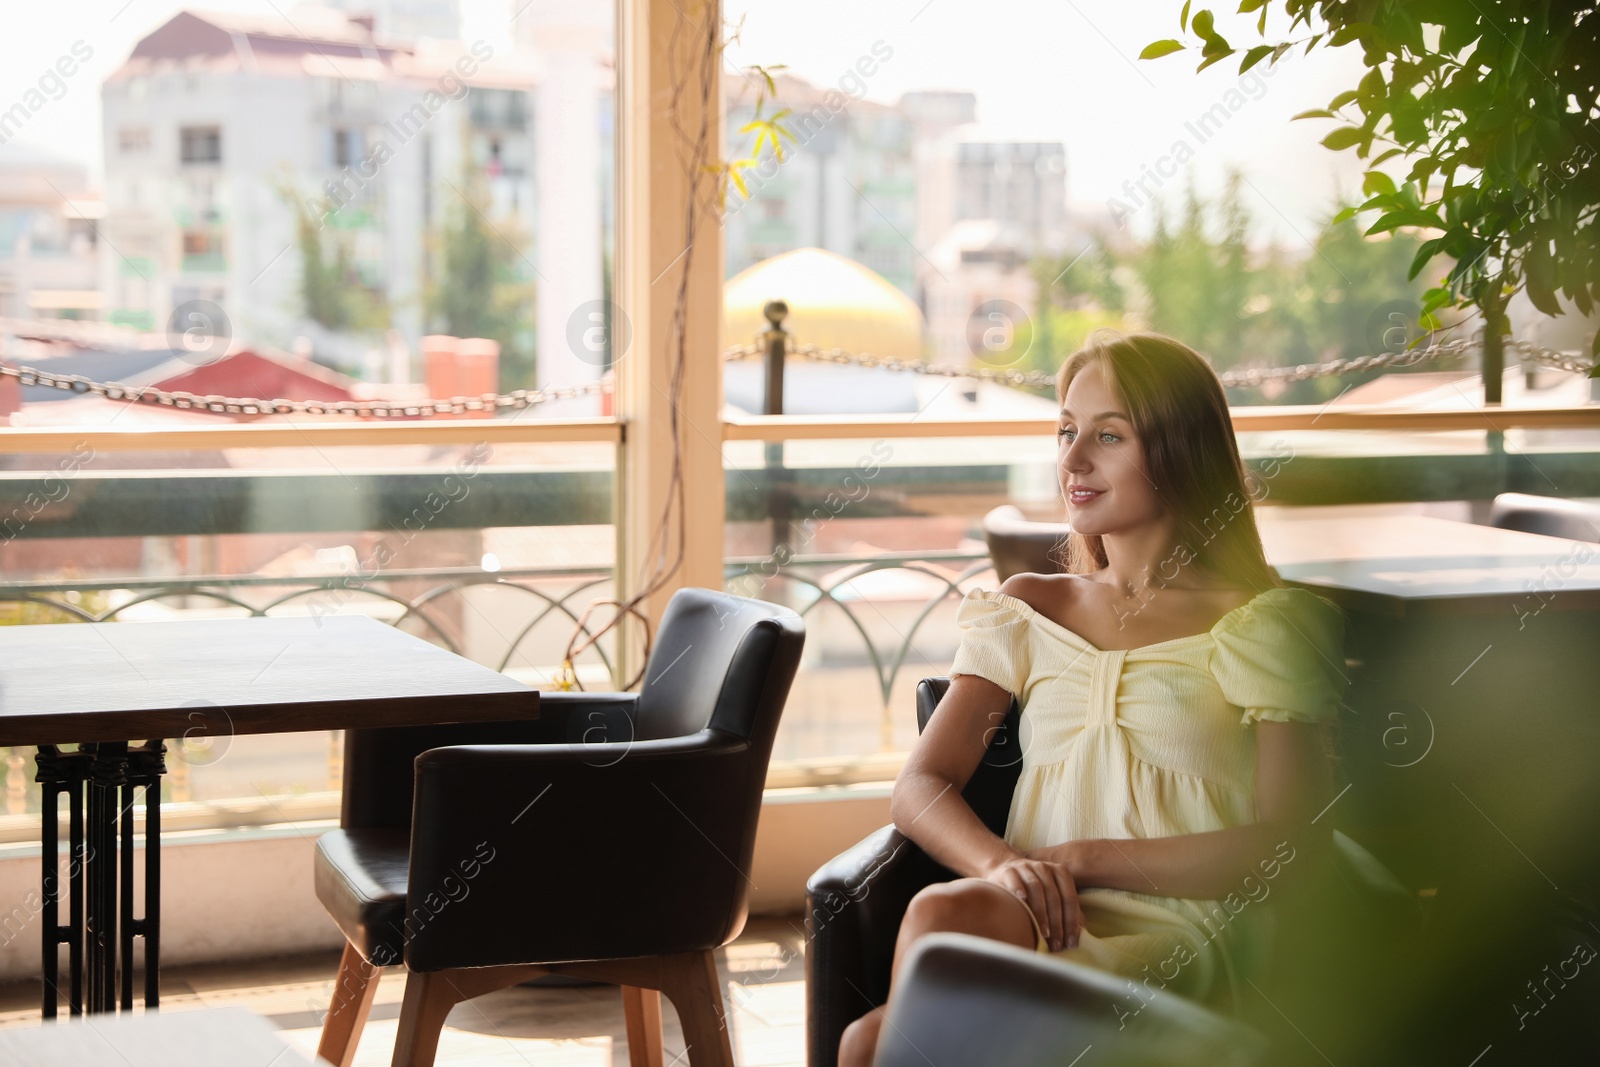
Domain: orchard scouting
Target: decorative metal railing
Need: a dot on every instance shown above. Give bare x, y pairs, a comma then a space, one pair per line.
809, 583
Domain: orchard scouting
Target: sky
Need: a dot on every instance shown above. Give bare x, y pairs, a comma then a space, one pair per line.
1053, 70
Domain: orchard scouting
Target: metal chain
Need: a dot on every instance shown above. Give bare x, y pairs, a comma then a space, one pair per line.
231, 405
1549, 357
526, 398
1041, 379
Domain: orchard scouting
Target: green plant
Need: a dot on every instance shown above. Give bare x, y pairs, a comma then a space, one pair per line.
331, 289
476, 285
1492, 104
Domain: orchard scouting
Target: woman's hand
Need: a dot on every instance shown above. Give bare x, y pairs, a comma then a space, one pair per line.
1047, 889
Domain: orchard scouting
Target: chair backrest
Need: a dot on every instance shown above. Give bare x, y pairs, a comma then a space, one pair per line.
1018, 545
988, 791
966, 999
1549, 515
696, 676
693, 679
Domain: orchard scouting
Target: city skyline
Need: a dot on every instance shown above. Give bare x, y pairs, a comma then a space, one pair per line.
1119, 149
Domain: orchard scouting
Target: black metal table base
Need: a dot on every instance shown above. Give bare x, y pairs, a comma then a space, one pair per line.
99, 780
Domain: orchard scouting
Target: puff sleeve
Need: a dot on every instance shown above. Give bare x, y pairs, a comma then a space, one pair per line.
1281, 657
995, 644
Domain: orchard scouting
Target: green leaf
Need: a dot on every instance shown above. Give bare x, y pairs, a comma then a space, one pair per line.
1246, 6
1371, 86
1343, 137
1254, 56
1539, 269
1375, 182
1344, 215
1342, 99
1183, 16
1216, 57
1204, 23
1314, 113
1425, 252
1157, 49
1383, 156
1434, 299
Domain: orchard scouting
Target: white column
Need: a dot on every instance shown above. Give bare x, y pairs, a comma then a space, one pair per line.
570, 309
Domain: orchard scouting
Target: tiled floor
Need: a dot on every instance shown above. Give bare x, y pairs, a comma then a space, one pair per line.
762, 972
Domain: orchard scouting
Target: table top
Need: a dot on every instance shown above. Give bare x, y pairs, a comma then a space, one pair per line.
126, 681
1403, 565
212, 1037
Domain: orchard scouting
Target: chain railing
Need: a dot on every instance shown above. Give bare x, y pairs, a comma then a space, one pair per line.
516, 400
1249, 378
521, 399
1549, 357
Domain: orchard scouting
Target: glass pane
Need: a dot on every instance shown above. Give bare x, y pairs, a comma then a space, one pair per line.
490, 551
289, 214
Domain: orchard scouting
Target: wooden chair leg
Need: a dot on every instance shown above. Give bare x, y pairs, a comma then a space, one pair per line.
429, 997
642, 1010
690, 981
357, 984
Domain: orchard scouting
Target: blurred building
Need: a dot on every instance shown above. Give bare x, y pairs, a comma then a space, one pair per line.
48, 258
406, 20
913, 191
233, 143
847, 182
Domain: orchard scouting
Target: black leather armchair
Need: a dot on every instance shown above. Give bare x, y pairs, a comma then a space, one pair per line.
1018, 545
855, 902
962, 992
611, 839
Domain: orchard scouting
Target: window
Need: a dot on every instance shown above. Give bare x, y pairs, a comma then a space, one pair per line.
200, 144
346, 148
131, 139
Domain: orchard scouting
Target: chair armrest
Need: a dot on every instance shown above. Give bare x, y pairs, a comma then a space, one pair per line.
980, 1001
854, 904
563, 831
378, 763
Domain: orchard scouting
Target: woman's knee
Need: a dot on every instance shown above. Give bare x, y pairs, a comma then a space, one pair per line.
966, 906
859, 1042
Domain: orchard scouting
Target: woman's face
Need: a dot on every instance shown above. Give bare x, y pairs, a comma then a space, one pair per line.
1099, 452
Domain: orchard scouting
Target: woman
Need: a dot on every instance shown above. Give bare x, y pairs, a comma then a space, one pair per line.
1173, 697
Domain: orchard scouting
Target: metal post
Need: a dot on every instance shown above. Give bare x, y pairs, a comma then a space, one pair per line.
777, 342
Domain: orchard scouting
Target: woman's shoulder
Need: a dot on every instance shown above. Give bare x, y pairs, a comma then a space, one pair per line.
1020, 597
1278, 608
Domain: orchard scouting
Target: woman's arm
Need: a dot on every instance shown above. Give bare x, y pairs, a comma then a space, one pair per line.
1293, 788
927, 805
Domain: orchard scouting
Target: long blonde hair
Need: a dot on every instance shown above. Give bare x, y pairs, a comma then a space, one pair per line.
1180, 414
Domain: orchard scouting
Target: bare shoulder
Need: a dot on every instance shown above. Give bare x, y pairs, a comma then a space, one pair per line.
1051, 595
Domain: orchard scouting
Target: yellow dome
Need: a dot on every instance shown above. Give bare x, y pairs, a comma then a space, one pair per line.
834, 302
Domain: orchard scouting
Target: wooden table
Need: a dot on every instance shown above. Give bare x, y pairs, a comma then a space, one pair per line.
1405, 566
1470, 741
103, 686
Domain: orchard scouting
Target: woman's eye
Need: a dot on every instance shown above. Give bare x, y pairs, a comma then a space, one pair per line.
1113, 436
1064, 433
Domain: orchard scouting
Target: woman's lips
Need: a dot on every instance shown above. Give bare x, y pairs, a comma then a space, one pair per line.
1080, 496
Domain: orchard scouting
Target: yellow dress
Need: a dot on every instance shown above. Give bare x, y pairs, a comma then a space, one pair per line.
1153, 742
